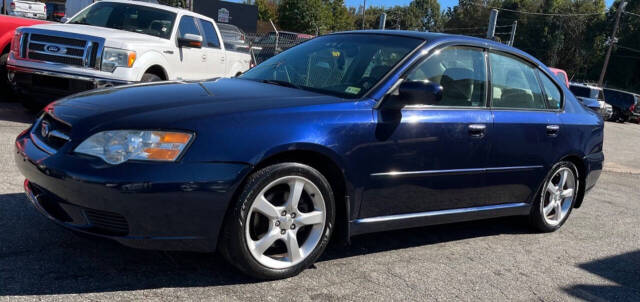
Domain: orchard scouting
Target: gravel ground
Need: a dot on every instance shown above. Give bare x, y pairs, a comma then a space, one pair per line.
594, 257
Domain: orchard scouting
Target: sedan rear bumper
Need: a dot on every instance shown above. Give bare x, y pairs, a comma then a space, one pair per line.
177, 206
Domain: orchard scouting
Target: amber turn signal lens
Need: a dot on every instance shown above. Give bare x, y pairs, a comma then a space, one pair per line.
161, 154
173, 137
131, 59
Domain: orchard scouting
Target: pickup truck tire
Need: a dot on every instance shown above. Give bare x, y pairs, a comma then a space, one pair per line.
150, 77
5, 88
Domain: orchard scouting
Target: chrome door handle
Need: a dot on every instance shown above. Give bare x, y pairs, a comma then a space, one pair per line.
477, 130
552, 130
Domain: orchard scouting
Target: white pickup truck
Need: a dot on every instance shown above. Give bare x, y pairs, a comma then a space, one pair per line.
27, 9
116, 42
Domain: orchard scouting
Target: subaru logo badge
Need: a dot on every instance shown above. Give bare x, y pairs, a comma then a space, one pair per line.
52, 48
45, 129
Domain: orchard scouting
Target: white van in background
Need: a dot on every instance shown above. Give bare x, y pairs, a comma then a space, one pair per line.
22, 8
75, 6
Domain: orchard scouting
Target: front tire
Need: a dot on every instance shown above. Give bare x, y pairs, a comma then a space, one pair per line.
150, 77
556, 198
281, 222
5, 88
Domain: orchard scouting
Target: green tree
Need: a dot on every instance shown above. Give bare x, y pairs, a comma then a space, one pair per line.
306, 16
267, 10
341, 18
425, 15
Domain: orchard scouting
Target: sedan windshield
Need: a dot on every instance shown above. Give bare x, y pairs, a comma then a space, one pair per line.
129, 17
345, 65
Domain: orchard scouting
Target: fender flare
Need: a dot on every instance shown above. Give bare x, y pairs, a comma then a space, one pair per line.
150, 59
5, 40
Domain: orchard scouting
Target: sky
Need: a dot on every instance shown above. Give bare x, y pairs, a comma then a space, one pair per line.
443, 3
386, 3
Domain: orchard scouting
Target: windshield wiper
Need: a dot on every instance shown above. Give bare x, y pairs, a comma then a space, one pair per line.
281, 83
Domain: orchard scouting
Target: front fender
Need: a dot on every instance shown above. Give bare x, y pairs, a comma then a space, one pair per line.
5, 40
149, 59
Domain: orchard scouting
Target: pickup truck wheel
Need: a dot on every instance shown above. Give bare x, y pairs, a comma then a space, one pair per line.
5, 88
150, 77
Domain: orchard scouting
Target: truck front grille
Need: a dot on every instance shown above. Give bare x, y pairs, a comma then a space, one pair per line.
53, 47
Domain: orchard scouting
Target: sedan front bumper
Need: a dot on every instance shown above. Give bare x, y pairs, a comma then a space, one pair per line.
163, 206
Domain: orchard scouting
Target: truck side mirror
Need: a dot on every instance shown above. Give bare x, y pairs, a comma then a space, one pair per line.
190, 40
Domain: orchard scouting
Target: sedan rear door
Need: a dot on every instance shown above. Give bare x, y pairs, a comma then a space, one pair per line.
525, 130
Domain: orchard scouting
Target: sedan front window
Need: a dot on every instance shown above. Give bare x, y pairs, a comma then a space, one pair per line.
346, 65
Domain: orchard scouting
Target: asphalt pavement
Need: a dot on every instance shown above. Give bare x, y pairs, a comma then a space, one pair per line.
594, 257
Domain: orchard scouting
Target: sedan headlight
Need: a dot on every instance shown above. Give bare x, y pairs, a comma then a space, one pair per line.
116, 147
113, 58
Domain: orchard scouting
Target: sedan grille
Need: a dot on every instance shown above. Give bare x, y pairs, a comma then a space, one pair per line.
51, 133
108, 222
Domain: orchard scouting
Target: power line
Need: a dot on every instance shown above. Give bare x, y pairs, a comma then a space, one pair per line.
457, 28
629, 48
628, 13
540, 14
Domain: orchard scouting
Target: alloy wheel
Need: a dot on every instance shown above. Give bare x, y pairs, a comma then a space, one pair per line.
285, 222
558, 197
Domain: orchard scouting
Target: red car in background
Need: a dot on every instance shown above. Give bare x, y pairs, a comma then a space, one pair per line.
8, 26
561, 75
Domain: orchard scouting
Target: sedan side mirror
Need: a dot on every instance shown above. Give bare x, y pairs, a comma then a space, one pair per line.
420, 93
64, 20
190, 40
592, 104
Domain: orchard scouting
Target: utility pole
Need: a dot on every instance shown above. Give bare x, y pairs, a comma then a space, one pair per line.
383, 20
364, 12
513, 33
493, 18
612, 41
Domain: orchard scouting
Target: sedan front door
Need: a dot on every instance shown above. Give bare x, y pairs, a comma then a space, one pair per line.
432, 157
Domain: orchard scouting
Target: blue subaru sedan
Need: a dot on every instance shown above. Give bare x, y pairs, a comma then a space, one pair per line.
346, 134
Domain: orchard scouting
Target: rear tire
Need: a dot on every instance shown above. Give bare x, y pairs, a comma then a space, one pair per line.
150, 77
268, 236
557, 196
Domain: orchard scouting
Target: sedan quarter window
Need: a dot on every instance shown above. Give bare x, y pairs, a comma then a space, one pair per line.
461, 71
514, 83
554, 97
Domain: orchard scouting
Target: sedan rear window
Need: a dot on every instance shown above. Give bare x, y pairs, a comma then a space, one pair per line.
345, 65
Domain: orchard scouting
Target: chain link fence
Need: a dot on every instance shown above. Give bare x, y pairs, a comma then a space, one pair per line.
263, 46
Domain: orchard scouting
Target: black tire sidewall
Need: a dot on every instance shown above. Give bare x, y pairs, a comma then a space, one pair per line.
537, 216
235, 245
5, 88
150, 77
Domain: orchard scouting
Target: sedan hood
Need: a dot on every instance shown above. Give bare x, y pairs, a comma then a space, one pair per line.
165, 104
